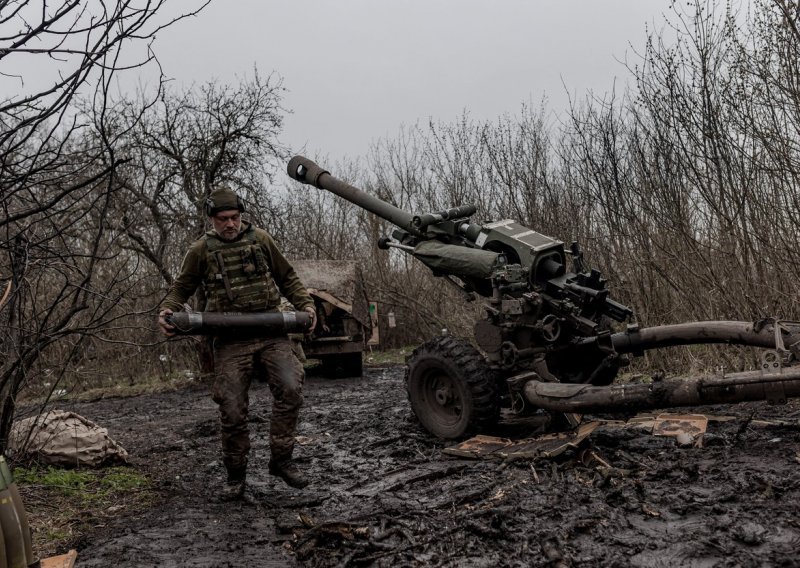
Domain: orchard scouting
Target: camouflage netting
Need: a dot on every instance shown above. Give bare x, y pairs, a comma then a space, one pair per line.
339, 278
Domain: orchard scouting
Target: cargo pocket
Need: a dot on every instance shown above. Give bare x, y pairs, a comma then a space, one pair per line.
250, 263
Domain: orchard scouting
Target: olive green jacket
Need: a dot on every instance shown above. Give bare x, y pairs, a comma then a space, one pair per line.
199, 268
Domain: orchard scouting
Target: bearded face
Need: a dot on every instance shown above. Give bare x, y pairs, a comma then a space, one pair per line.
227, 223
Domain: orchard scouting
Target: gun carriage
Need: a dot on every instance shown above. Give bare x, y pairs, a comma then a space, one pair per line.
546, 341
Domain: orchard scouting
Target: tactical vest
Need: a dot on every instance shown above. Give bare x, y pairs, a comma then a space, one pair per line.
238, 278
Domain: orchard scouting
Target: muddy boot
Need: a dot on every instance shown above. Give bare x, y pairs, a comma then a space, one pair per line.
287, 471
233, 490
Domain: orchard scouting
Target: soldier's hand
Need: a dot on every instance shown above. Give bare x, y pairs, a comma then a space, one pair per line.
166, 328
313, 313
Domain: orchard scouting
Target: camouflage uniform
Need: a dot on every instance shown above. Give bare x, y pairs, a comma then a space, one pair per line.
236, 362
247, 274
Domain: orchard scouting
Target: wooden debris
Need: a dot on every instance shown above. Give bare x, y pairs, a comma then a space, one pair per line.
687, 429
403, 478
482, 529
544, 446
5, 294
63, 561
590, 457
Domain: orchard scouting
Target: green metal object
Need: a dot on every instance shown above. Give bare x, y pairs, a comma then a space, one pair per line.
22, 515
548, 324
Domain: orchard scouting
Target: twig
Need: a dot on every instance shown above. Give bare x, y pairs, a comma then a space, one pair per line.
5, 296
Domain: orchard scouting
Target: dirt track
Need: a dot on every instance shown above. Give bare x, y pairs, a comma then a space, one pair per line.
384, 494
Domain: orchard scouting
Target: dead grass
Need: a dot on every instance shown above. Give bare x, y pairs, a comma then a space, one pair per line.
62, 504
159, 385
148, 385
387, 357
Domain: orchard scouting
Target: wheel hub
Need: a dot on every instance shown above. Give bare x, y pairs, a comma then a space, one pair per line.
451, 388
443, 395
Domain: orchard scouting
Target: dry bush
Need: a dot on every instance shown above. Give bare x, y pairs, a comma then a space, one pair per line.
682, 189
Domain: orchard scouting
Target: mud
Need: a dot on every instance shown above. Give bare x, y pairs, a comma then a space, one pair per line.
384, 494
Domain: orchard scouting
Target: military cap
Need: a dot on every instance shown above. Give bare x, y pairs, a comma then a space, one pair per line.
223, 198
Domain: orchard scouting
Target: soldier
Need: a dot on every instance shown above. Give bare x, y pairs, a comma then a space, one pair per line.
240, 269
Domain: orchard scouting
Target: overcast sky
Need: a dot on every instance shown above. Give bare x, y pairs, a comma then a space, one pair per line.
356, 70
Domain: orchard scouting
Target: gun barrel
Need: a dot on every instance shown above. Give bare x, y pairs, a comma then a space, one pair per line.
306, 171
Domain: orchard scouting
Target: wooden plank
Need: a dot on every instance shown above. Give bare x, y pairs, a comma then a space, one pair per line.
544, 446
693, 425
63, 561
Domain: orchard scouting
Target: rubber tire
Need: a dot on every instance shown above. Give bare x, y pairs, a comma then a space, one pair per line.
352, 364
451, 365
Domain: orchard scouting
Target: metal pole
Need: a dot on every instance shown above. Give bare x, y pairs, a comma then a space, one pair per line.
774, 387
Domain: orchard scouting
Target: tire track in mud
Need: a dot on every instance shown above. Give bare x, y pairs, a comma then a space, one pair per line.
384, 494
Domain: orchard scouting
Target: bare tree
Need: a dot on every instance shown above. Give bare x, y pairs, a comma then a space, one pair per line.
57, 165
179, 146
683, 188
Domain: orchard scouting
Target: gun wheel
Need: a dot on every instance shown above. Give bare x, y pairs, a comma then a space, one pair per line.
452, 390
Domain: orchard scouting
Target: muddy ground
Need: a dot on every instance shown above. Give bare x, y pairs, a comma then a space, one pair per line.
384, 494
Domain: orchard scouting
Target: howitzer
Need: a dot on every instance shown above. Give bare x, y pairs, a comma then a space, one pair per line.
546, 342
